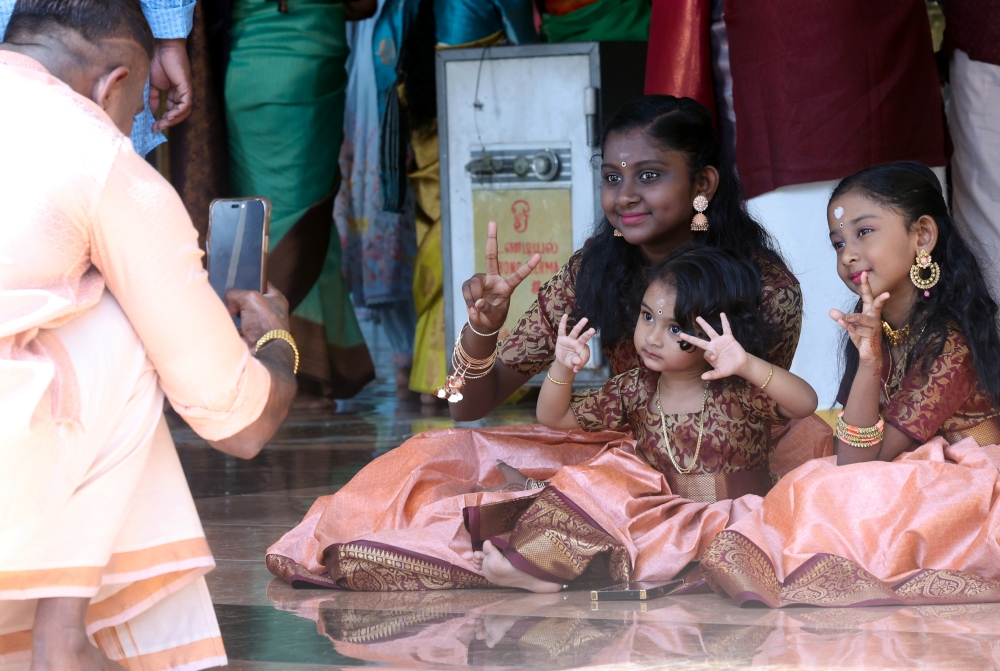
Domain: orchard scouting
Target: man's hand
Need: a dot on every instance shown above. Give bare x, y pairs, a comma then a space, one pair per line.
170, 74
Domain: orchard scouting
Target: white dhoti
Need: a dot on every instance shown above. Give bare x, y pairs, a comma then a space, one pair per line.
974, 119
117, 522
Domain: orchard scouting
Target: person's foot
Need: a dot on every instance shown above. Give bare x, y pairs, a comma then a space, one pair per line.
498, 570
71, 656
492, 628
513, 479
59, 640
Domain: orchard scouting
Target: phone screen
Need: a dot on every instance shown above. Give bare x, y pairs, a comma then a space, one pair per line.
236, 237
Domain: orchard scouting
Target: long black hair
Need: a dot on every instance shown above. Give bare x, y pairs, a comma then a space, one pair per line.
961, 297
710, 280
611, 269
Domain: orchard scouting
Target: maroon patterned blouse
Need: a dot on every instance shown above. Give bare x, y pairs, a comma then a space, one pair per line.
947, 400
736, 435
529, 348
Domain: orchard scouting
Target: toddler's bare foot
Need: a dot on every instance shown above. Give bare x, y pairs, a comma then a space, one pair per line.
514, 480
499, 571
477, 560
492, 628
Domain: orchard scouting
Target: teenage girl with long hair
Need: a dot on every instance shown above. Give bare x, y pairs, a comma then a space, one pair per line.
666, 182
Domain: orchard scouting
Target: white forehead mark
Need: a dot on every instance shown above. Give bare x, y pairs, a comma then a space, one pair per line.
839, 212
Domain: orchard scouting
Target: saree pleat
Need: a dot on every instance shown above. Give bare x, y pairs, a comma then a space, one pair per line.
284, 97
429, 366
921, 530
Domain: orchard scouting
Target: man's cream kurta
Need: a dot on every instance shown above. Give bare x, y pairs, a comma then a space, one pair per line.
103, 304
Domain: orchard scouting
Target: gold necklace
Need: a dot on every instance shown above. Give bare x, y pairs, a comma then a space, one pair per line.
666, 437
895, 377
896, 337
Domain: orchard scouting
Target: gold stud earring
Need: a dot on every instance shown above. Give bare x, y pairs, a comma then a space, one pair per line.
619, 234
700, 221
923, 263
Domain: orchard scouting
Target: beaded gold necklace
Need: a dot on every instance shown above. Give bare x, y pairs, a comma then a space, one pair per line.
895, 337
666, 436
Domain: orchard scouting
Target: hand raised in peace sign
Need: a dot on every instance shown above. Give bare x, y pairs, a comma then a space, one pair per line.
487, 297
865, 327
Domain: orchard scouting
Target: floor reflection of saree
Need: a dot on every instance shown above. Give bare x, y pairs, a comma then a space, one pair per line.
512, 630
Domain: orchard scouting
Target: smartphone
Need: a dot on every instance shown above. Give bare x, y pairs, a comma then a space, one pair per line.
635, 591
237, 244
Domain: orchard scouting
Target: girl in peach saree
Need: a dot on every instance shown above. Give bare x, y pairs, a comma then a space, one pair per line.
921, 391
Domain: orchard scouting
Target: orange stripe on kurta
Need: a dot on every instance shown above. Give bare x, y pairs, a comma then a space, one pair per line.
136, 593
138, 560
121, 562
17, 641
71, 576
206, 648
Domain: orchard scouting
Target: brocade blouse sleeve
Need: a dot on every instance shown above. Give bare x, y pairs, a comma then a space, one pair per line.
607, 407
925, 400
530, 346
757, 403
781, 310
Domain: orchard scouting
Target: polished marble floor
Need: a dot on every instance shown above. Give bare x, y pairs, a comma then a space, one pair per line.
268, 626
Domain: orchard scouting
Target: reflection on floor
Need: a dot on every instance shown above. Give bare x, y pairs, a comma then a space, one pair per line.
268, 626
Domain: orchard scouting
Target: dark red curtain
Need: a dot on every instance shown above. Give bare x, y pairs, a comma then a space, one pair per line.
825, 88
679, 60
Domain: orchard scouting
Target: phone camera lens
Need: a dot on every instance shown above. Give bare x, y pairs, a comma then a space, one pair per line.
234, 205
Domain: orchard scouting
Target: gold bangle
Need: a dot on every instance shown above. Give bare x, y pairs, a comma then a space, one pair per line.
770, 373
549, 375
484, 335
279, 334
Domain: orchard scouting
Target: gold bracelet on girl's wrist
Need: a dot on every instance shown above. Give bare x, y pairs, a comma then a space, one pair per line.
548, 374
770, 373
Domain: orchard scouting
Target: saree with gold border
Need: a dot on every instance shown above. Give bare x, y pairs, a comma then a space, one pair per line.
920, 530
412, 518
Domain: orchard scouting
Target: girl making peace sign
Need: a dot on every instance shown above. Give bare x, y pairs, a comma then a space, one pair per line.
921, 389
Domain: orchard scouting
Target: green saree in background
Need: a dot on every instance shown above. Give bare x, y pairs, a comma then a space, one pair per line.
284, 111
603, 20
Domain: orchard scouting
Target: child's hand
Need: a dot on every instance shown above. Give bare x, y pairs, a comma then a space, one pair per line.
572, 350
723, 352
865, 327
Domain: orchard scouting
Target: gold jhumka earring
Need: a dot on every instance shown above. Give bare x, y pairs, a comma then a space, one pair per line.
922, 264
619, 234
700, 222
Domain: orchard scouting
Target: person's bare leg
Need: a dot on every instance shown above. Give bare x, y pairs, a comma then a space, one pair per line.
499, 571
59, 638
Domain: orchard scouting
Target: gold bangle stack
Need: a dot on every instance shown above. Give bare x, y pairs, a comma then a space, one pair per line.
279, 334
860, 436
464, 367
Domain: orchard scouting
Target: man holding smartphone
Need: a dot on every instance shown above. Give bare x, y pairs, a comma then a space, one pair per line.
104, 309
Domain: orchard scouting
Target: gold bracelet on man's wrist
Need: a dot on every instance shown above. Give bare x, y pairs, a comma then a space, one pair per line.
279, 334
